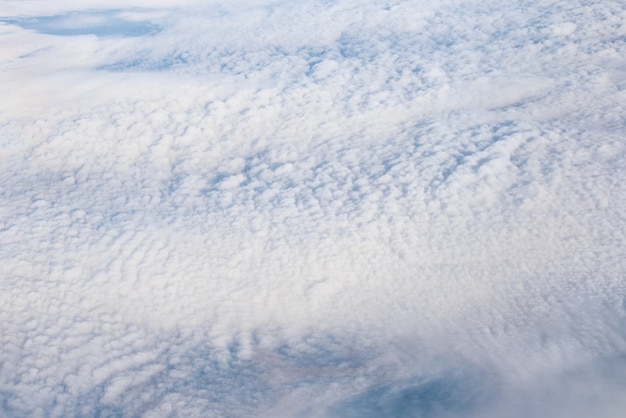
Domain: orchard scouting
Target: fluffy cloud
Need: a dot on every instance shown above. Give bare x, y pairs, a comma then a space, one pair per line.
312, 209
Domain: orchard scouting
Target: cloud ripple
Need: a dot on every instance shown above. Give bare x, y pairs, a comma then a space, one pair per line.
313, 209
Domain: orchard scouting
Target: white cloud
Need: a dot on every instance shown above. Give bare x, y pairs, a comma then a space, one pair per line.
312, 209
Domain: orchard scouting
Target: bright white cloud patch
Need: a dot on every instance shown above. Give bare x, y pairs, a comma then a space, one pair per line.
313, 209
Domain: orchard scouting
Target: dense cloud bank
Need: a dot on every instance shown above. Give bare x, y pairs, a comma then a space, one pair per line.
313, 209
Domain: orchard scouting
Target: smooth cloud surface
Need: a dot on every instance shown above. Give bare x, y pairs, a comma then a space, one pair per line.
313, 209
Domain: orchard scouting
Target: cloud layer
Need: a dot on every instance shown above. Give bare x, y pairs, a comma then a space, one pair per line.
313, 209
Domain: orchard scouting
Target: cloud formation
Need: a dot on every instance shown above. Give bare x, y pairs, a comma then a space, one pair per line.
312, 209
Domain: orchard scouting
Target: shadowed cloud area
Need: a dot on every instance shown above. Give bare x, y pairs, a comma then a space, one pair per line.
313, 209
100, 23
438, 396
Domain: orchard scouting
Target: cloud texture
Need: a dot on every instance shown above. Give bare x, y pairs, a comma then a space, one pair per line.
313, 209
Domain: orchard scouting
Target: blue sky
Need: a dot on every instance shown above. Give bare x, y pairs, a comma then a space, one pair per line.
312, 209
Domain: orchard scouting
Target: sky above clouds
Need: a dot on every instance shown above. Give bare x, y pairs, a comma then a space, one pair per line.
312, 209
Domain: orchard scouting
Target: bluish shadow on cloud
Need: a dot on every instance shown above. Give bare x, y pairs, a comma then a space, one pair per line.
189, 376
199, 381
103, 23
451, 394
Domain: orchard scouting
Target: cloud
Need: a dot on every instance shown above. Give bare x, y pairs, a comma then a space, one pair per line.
313, 209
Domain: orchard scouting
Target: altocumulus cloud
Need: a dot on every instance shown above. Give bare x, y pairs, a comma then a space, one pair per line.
313, 209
